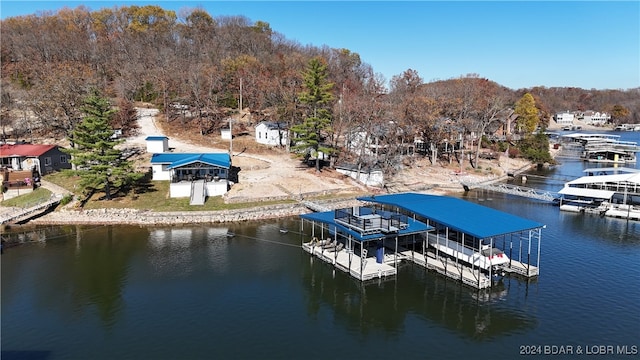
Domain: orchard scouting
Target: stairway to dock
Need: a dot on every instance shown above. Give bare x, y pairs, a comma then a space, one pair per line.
25, 213
197, 193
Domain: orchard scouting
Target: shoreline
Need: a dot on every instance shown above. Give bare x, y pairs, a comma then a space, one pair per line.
129, 216
142, 217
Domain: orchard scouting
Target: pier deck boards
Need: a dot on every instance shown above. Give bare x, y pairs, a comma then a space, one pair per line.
519, 268
449, 268
349, 262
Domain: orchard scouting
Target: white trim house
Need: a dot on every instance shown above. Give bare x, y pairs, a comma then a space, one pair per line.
272, 133
564, 118
185, 170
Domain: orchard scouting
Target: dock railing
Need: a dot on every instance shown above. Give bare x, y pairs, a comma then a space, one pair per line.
18, 213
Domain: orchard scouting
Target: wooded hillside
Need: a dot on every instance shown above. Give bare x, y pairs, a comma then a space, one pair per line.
191, 64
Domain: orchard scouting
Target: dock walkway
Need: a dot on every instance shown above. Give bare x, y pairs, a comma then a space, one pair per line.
449, 268
523, 191
20, 214
347, 261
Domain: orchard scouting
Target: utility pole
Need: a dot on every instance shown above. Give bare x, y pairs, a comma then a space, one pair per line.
231, 121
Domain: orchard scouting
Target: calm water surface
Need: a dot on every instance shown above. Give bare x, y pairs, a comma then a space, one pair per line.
123, 292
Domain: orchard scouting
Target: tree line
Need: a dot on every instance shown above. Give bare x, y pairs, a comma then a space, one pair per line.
192, 60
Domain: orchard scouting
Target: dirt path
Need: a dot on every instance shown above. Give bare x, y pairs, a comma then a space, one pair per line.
261, 177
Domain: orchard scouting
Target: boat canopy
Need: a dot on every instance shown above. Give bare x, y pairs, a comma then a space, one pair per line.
328, 217
473, 219
611, 170
602, 179
590, 193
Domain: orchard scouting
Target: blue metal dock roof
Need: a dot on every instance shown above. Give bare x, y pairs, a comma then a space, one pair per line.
180, 159
327, 217
467, 217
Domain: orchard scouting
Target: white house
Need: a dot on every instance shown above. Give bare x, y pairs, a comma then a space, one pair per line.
365, 175
272, 133
564, 118
157, 144
595, 118
189, 172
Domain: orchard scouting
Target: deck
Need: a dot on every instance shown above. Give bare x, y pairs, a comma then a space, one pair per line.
22, 214
347, 261
449, 268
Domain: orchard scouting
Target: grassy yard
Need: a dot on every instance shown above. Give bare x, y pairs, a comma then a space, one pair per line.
30, 199
153, 196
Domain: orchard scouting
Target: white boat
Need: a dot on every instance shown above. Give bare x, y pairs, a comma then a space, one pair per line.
485, 258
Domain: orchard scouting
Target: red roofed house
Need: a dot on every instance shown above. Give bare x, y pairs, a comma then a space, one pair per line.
42, 158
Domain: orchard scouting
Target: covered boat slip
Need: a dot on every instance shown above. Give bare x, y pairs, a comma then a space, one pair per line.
602, 148
352, 235
474, 226
432, 231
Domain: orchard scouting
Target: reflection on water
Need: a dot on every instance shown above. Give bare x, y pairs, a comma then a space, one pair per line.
386, 304
192, 292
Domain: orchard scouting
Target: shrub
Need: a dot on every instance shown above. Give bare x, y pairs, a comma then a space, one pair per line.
66, 199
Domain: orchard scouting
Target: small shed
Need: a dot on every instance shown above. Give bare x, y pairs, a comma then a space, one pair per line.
272, 133
157, 144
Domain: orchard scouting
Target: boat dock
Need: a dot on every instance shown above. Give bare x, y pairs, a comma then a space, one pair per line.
347, 261
600, 148
27, 212
369, 242
449, 268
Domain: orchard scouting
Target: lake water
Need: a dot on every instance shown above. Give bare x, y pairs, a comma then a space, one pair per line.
190, 292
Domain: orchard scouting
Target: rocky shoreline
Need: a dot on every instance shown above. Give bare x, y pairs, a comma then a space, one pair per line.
128, 216
147, 217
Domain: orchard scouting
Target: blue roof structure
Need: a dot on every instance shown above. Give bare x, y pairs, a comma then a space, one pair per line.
180, 159
476, 220
327, 217
155, 138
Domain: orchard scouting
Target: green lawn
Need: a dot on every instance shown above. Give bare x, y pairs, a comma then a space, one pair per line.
29, 199
152, 196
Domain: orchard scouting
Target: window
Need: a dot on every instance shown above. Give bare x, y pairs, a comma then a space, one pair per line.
63, 159
47, 161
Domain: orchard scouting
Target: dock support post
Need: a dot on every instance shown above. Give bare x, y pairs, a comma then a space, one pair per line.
490, 265
529, 256
538, 260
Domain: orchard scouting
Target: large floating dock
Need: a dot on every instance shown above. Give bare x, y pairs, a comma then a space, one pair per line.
453, 237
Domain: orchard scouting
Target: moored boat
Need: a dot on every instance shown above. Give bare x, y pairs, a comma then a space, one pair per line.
486, 257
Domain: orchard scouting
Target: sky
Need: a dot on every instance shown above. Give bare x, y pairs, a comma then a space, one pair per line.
518, 44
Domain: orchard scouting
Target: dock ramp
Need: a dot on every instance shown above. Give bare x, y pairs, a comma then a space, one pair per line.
314, 206
522, 191
27, 212
197, 192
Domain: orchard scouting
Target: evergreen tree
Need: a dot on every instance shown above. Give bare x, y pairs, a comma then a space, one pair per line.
310, 135
97, 162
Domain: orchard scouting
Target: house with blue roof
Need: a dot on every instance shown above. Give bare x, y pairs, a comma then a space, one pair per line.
195, 175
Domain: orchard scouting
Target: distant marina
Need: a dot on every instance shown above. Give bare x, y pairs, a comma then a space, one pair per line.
609, 191
598, 148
